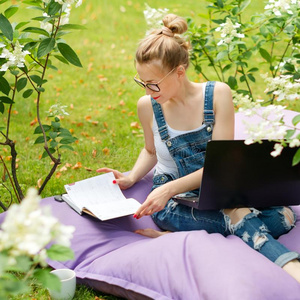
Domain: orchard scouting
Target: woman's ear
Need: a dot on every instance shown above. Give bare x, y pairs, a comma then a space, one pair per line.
180, 70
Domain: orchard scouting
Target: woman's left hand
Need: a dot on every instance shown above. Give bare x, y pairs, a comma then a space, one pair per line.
155, 202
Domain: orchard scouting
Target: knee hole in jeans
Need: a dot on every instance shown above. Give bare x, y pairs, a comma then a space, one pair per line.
289, 217
236, 214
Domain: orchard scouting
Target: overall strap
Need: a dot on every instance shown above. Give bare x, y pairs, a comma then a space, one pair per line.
160, 120
209, 117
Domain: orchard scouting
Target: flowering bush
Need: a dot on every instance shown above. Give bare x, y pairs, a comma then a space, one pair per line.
229, 49
27, 51
24, 235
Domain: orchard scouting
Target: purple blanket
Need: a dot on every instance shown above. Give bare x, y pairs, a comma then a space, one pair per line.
193, 265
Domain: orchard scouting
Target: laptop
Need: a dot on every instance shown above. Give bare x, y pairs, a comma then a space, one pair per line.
239, 175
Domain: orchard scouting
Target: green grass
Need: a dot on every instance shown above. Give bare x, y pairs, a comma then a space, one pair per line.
101, 98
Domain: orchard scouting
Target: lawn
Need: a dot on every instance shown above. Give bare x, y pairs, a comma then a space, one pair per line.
100, 98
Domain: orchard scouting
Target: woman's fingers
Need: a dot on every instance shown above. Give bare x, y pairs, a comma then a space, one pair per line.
104, 170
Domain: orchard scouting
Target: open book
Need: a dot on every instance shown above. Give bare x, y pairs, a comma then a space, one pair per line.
99, 197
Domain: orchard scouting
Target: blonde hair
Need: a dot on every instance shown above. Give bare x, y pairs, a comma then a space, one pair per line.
166, 44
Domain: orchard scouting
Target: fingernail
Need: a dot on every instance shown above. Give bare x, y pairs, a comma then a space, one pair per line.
134, 216
114, 181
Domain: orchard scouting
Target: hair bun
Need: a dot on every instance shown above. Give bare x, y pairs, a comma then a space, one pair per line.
176, 24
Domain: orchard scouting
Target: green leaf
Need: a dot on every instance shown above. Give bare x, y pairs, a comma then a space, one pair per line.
54, 8
232, 82
253, 70
38, 129
14, 286
53, 135
6, 27
251, 77
60, 58
68, 53
226, 68
4, 99
66, 147
11, 11
40, 140
289, 67
67, 140
45, 154
296, 120
36, 30
23, 264
290, 133
55, 125
21, 24
220, 3
222, 54
27, 93
53, 144
47, 279
296, 158
4, 86
21, 84
245, 4
71, 26
60, 253
40, 89
265, 54
30, 45
1, 108
37, 79
45, 47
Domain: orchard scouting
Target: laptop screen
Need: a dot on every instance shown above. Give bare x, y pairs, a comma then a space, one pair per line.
239, 175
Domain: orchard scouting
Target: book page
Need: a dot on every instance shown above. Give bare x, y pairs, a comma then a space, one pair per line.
103, 198
116, 209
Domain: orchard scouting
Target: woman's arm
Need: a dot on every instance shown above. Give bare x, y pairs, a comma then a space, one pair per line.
223, 129
147, 157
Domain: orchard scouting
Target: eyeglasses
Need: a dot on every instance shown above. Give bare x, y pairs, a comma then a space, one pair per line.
151, 86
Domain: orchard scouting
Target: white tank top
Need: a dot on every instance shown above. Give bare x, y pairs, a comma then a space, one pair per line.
165, 163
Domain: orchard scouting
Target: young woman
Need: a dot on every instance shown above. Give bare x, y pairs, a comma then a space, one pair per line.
179, 117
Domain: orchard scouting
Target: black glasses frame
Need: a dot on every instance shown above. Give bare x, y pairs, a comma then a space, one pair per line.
151, 86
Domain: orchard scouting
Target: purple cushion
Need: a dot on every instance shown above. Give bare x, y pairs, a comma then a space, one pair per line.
111, 258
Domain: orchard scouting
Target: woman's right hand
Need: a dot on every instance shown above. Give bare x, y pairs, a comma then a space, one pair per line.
124, 181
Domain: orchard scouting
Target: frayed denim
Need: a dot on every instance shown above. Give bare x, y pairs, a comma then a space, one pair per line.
259, 229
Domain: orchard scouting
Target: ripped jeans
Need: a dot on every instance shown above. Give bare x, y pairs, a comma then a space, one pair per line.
258, 229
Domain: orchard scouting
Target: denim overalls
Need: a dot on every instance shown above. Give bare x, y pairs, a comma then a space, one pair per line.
259, 229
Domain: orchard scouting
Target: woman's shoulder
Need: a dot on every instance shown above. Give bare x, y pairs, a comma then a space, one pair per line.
144, 101
222, 92
222, 87
144, 107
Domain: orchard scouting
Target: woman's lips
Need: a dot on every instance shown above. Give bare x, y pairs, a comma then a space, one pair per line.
155, 98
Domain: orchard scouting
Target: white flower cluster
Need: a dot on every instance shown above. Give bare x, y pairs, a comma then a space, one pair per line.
293, 61
229, 32
64, 19
270, 126
283, 87
154, 17
70, 2
241, 101
62, 2
28, 229
16, 58
57, 110
283, 6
